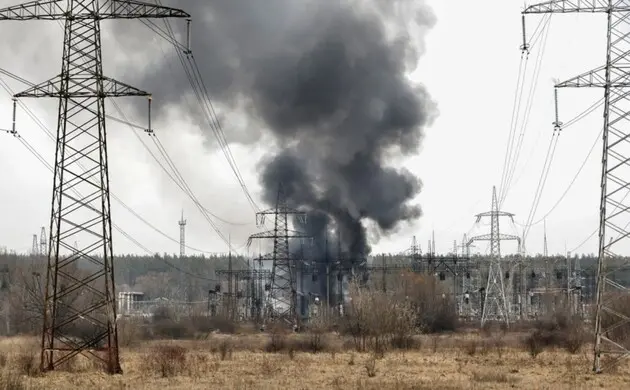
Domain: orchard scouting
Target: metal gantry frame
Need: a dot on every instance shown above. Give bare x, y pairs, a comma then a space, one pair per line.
614, 234
80, 199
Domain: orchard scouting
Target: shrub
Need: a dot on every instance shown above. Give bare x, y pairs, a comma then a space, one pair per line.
370, 367
561, 330
574, 340
470, 347
277, 342
534, 343
170, 329
167, 360
225, 348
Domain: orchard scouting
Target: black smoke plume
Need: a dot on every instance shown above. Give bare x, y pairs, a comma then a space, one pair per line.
328, 81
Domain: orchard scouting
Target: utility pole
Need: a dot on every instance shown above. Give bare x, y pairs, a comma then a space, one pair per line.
283, 289
613, 78
496, 306
80, 198
182, 236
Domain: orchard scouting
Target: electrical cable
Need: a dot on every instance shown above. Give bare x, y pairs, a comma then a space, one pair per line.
200, 90
39, 157
528, 109
52, 137
542, 181
517, 103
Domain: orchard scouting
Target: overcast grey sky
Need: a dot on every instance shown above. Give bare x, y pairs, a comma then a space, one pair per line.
469, 67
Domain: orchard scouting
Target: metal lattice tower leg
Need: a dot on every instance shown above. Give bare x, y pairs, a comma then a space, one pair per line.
283, 292
77, 299
614, 235
496, 306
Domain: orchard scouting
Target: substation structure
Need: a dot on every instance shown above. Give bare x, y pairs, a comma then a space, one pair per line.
294, 285
533, 288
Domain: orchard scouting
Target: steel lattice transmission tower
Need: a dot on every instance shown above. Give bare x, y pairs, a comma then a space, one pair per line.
35, 247
283, 289
81, 201
43, 246
614, 78
182, 236
497, 302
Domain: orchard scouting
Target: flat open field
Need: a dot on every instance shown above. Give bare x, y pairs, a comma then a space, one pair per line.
240, 362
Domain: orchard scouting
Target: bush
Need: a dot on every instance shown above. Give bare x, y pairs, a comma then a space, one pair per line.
131, 332
225, 348
534, 343
374, 318
370, 367
470, 347
167, 360
170, 329
316, 342
560, 330
277, 342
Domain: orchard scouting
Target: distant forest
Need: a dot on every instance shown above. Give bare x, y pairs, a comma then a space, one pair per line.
190, 278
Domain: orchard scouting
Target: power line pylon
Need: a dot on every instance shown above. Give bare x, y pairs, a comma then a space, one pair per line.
182, 236
35, 247
613, 77
497, 303
80, 199
283, 289
43, 246
415, 255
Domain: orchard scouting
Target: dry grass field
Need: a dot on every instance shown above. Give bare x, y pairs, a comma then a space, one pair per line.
255, 361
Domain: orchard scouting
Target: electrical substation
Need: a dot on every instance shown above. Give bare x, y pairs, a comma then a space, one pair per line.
307, 273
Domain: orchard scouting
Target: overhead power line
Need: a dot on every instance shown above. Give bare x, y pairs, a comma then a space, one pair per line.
50, 135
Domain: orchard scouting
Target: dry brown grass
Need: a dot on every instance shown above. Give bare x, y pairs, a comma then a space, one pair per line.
240, 362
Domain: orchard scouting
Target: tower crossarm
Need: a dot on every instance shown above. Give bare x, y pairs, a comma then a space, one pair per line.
261, 216
271, 234
34, 10
111, 9
87, 87
573, 6
494, 213
488, 237
597, 77
132, 9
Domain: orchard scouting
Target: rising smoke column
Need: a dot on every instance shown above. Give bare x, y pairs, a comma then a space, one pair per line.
327, 81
